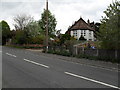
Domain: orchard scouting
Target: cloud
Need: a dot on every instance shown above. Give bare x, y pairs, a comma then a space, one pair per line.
68, 12
11, 9
65, 11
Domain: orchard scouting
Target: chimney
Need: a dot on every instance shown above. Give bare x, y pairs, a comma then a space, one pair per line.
88, 21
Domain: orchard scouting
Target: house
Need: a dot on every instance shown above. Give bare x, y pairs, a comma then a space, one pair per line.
82, 29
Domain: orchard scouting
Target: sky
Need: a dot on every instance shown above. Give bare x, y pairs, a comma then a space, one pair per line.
66, 12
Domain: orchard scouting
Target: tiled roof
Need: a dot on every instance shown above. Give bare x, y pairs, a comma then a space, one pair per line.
80, 25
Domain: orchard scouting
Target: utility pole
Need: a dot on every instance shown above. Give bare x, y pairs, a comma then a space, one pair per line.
46, 26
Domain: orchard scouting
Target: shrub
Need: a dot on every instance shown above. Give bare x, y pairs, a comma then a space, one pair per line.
64, 52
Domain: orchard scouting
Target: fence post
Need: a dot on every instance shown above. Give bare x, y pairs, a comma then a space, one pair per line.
76, 51
83, 50
97, 53
116, 54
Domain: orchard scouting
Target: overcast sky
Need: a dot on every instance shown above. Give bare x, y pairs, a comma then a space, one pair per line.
66, 11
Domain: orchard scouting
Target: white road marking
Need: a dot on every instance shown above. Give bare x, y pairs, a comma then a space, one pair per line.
11, 55
85, 78
36, 63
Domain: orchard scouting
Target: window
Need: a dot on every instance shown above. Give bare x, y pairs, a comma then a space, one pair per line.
84, 33
90, 33
75, 33
81, 32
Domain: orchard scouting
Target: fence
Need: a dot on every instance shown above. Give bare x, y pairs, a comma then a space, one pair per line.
101, 53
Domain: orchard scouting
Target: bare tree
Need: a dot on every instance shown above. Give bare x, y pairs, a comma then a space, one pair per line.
21, 21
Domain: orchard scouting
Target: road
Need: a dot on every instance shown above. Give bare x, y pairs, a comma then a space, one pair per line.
0, 67
25, 69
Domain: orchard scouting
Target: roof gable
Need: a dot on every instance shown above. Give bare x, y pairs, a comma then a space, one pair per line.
80, 25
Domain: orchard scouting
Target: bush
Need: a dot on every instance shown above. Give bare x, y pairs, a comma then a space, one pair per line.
107, 59
64, 53
37, 40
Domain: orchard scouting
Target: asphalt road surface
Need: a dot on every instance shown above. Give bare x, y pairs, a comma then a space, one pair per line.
25, 69
0, 67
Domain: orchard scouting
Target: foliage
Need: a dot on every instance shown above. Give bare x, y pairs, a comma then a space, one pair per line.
63, 40
33, 29
58, 32
82, 38
63, 53
5, 31
39, 39
69, 44
51, 23
27, 31
0, 34
20, 37
64, 37
110, 27
97, 27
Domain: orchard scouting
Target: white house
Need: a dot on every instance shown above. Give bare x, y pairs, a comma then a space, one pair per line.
81, 28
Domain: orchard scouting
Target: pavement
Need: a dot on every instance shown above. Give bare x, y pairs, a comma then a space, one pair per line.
32, 69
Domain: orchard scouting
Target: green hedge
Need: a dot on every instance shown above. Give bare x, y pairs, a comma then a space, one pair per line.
107, 59
64, 52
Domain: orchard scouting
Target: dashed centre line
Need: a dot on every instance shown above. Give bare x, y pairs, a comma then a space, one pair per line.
11, 55
36, 63
92, 80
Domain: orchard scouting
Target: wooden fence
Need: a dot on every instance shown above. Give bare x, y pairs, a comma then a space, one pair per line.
103, 53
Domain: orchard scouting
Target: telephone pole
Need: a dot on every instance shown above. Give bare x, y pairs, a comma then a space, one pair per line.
46, 26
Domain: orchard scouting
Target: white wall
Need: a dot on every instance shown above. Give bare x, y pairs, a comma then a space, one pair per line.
88, 36
71, 33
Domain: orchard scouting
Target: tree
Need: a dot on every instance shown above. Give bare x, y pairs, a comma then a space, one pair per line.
58, 32
33, 29
97, 27
39, 39
110, 27
27, 31
34, 33
21, 21
82, 38
64, 37
6, 33
20, 37
0, 33
51, 23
